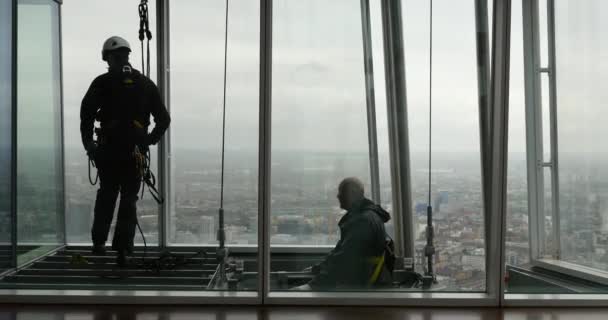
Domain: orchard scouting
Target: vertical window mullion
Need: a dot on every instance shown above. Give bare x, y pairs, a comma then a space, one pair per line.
370, 101
164, 147
534, 147
553, 120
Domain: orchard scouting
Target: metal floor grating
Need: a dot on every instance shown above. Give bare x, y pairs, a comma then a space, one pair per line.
78, 268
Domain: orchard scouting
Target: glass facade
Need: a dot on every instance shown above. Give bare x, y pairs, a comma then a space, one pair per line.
6, 95
332, 105
39, 143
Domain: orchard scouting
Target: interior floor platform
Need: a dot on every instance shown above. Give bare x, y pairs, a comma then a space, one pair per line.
83, 312
79, 268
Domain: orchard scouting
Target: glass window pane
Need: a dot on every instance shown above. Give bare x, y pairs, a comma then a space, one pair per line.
81, 64
318, 80
565, 255
456, 190
197, 91
197, 84
39, 168
581, 75
319, 129
6, 95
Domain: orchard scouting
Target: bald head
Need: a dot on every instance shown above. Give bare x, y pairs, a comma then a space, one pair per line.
350, 191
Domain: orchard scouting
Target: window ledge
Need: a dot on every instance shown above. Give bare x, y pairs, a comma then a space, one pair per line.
574, 270
127, 297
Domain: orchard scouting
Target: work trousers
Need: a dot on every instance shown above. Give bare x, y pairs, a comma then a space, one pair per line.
118, 174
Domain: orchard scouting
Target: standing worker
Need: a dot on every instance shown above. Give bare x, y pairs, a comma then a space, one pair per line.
122, 100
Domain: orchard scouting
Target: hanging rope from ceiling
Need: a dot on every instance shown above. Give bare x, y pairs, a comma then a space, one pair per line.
429, 249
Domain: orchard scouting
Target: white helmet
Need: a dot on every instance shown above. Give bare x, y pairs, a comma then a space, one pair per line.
113, 43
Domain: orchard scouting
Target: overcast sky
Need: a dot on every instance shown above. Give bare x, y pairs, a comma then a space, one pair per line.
318, 76
318, 80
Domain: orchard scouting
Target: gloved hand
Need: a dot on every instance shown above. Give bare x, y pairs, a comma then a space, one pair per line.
148, 140
314, 269
92, 150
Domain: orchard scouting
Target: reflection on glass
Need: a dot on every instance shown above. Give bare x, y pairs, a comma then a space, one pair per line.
39, 174
81, 64
456, 194
5, 133
197, 79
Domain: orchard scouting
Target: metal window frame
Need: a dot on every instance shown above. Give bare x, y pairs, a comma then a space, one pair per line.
14, 132
62, 198
370, 96
396, 100
534, 131
553, 130
264, 148
164, 146
534, 146
499, 95
485, 117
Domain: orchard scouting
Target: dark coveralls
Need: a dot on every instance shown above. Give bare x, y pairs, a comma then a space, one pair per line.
117, 99
362, 236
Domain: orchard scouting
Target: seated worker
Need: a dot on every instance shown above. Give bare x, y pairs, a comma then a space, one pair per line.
354, 260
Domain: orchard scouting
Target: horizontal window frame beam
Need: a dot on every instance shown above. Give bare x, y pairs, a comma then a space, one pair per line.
555, 300
573, 270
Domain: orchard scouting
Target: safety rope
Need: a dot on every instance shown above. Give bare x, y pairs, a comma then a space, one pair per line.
224, 114
222, 252
429, 249
92, 164
148, 179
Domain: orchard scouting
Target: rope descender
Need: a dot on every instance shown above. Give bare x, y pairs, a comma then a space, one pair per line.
144, 33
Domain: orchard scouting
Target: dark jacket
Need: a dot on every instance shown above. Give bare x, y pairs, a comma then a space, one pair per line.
362, 236
116, 99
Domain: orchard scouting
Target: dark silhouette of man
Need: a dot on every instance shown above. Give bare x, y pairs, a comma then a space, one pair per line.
353, 263
122, 100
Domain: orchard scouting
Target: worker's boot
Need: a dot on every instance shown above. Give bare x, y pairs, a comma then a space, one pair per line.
99, 250
121, 258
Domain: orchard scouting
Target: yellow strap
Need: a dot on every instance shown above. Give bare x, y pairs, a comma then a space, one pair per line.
379, 261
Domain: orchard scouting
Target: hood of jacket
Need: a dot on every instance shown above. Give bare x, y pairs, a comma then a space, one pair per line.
367, 204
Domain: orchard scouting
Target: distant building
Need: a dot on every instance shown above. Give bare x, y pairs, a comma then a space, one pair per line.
208, 229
